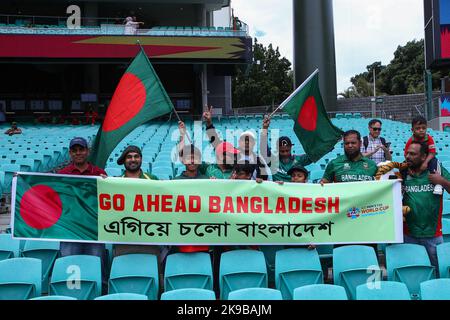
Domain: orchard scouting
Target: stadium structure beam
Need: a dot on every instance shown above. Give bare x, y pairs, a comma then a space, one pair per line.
314, 46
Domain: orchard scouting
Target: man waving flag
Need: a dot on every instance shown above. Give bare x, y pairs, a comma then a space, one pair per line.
312, 126
138, 98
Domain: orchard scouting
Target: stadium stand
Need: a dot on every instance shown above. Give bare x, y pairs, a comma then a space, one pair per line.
193, 279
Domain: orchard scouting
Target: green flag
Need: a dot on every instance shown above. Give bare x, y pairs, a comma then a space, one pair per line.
312, 126
138, 98
55, 207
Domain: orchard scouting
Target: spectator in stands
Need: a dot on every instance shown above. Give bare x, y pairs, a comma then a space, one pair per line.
13, 130
79, 152
91, 115
423, 223
374, 146
225, 158
298, 173
352, 166
419, 129
131, 158
131, 25
247, 142
286, 160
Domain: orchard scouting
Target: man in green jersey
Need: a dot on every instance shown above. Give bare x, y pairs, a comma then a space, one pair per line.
424, 222
286, 160
352, 166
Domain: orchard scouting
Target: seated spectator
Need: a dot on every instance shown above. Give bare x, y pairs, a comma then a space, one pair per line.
13, 130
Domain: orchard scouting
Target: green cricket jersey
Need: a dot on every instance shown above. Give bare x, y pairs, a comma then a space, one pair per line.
182, 176
342, 169
213, 170
283, 168
144, 175
424, 219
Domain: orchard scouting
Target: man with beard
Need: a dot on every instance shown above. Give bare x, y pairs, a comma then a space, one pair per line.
131, 158
352, 166
423, 223
286, 160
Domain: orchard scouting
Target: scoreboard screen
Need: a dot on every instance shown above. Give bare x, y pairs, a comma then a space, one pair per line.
437, 33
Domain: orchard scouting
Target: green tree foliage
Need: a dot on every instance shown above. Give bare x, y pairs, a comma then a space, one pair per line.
268, 81
403, 75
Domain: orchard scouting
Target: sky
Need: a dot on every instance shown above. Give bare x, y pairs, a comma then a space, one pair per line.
365, 30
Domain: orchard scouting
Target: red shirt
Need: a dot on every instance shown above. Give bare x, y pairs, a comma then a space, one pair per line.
428, 139
90, 171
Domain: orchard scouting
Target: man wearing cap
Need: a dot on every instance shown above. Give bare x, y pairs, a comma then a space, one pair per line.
298, 173
247, 142
131, 158
13, 130
286, 160
79, 152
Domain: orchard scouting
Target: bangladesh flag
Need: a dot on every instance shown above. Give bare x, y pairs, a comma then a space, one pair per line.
312, 126
138, 98
56, 207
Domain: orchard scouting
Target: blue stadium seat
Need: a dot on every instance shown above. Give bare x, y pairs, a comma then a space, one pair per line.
296, 268
255, 294
320, 292
9, 170
26, 165
47, 252
188, 270
135, 273
269, 255
350, 265
443, 254
9, 247
54, 298
410, 264
240, 269
123, 296
82, 272
438, 289
189, 294
20, 278
382, 290
114, 172
446, 229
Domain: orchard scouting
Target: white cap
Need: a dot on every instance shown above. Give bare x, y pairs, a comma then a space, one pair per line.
248, 133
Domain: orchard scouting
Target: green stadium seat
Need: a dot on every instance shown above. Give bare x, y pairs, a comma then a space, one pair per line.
296, 268
20, 278
135, 273
320, 292
188, 270
9, 247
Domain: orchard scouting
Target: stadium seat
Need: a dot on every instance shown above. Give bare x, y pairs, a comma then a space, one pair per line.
382, 290
443, 254
269, 255
296, 268
446, 210
82, 272
9, 170
9, 247
114, 172
240, 269
20, 278
123, 296
47, 252
54, 298
350, 265
446, 229
255, 294
320, 292
410, 264
189, 294
438, 289
188, 270
135, 273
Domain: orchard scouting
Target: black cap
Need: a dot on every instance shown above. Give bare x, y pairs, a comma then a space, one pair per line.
297, 167
80, 141
285, 142
129, 149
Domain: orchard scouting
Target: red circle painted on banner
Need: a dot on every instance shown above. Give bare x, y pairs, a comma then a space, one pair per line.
307, 117
128, 100
40, 207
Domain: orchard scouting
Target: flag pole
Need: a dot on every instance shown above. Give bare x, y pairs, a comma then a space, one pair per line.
283, 104
173, 107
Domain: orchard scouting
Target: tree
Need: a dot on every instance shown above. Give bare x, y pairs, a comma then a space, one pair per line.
403, 75
268, 81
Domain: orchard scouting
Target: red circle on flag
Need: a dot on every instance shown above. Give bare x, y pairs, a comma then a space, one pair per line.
307, 118
128, 100
40, 207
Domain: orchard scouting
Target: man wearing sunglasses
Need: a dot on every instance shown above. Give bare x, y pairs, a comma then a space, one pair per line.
375, 147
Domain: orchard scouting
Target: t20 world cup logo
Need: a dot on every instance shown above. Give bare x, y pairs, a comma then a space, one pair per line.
353, 213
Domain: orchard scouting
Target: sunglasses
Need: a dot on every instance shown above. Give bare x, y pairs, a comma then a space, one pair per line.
376, 129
